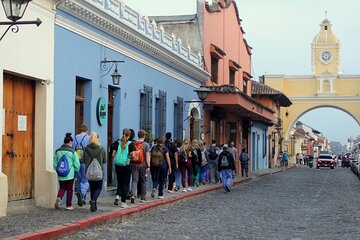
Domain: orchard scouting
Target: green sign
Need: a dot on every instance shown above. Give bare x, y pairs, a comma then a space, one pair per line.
101, 111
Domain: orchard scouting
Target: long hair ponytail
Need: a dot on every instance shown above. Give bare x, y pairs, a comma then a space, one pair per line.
125, 137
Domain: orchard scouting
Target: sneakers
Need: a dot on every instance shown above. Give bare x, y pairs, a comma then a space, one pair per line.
124, 205
57, 203
161, 197
184, 190
227, 188
70, 208
176, 189
170, 191
143, 200
79, 199
153, 193
132, 199
197, 183
117, 198
189, 189
92, 206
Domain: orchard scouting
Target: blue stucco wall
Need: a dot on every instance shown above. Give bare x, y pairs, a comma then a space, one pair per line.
77, 56
259, 147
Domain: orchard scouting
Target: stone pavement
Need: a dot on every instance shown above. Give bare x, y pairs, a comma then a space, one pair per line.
29, 222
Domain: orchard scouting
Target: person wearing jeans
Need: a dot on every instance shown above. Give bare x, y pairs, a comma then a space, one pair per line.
226, 165
82, 183
94, 150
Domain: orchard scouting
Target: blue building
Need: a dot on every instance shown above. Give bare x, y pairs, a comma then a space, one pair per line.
159, 74
260, 156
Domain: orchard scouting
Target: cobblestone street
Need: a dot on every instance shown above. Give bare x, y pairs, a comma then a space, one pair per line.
301, 203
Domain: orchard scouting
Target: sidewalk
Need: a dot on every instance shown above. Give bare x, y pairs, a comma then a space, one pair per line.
29, 222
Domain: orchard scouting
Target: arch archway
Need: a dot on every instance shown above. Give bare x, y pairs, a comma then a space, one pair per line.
295, 119
194, 121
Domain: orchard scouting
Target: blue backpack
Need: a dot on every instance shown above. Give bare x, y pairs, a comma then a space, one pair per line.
63, 167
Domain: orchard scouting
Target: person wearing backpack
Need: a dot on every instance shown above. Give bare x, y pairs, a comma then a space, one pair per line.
196, 162
159, 166
66, 163
226, 165
94, 159
213, 153
204, 163
173, 154
232, 149
140, 165
285, 159
122, 168
80, 142
244, 160
186, 165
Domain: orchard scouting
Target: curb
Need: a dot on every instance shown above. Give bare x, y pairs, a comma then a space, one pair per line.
114, 216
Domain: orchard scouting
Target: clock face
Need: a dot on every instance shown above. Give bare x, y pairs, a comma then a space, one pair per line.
326, 56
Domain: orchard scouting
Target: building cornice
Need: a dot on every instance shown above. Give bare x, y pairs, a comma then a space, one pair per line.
115, 18
325, 98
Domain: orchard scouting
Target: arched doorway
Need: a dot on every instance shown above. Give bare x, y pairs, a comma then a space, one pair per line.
195, 121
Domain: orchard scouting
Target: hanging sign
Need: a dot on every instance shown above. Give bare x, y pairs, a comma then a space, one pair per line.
101, 111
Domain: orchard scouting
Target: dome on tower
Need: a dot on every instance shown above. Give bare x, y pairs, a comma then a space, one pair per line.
325, 36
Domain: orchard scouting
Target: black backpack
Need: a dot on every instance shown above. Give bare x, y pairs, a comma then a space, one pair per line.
212, 153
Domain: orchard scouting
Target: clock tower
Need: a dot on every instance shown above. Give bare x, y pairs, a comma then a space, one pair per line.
325, 51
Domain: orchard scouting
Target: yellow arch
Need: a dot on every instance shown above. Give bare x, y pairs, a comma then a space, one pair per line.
307, 93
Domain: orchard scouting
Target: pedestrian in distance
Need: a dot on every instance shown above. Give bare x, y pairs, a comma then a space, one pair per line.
233, 150
122, 168
244, 160
297, 157
226, 165
213, 153
186, 165
178, 169
139, 151
94, 158
66, 163
204, 169
81, 140
173, 154
285, 159
159, 166
196, 162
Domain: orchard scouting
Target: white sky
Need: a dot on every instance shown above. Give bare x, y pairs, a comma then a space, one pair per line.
281, 32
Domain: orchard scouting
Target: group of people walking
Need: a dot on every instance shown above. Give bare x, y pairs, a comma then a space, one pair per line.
81, 158
173, 167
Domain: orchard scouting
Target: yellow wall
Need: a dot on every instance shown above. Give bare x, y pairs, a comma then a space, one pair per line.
302, 92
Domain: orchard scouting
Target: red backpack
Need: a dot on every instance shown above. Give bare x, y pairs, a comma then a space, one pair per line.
137, 156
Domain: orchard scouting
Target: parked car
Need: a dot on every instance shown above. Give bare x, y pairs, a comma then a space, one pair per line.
325, 160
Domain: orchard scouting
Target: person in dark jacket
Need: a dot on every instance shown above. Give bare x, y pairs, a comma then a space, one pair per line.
94, 150
226, 165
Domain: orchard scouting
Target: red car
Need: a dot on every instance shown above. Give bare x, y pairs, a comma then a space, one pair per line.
325, 160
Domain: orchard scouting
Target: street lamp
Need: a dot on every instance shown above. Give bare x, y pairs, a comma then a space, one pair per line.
115, 75
14, 11
202, 92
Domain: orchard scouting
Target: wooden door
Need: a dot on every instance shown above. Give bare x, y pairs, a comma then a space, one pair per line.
18, 138
110, 171
79, 105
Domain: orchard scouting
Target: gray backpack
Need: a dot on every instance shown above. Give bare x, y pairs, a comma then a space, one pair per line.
94, 172
224, 161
